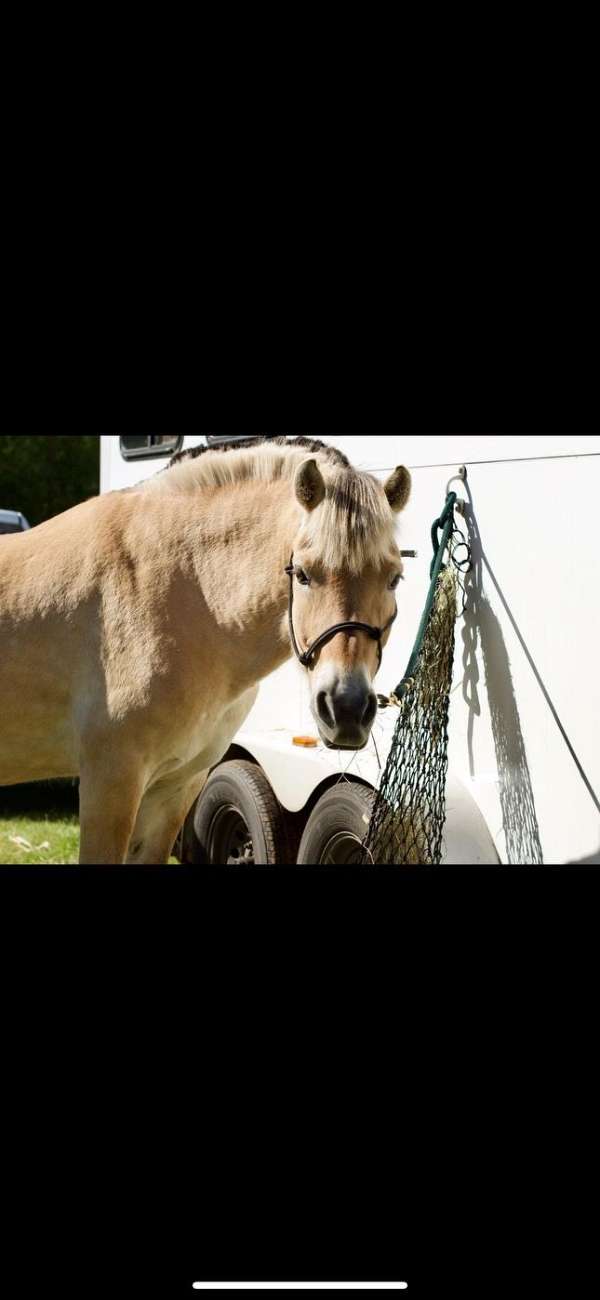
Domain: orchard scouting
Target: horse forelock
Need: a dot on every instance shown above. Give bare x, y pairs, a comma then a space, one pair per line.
352, 527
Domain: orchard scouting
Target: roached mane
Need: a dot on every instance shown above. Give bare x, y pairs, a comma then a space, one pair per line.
353, 526
260, 440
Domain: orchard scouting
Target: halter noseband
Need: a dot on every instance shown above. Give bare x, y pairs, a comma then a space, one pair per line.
306, 658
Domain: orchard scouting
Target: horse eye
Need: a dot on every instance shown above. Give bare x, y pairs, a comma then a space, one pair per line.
303, 578
394, 583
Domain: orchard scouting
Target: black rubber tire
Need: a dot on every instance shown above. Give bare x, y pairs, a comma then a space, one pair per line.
237, 806
337, 827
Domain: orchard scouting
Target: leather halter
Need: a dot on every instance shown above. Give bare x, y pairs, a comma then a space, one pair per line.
306, 658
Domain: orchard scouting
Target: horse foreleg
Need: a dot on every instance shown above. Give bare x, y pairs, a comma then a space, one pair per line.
109, 800
162, 813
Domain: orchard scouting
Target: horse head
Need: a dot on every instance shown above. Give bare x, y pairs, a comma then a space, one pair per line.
344, 573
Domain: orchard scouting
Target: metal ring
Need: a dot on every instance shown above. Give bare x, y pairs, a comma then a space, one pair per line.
463, 565
461, 474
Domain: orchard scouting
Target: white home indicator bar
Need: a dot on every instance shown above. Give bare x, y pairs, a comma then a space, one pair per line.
300, 1286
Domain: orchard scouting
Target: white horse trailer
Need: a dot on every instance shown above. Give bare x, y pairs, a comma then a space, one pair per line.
524, 758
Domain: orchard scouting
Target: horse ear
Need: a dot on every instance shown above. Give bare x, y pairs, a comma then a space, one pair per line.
397, 488
309, 485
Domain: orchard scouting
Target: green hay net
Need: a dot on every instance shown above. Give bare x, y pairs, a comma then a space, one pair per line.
408, 818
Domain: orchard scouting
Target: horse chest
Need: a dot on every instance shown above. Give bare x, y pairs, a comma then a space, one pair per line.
208, 736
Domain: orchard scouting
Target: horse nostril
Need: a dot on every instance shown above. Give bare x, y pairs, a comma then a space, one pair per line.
325, 710
346, 707
370, 710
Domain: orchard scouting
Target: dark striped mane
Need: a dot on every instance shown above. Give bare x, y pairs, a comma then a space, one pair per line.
298, 441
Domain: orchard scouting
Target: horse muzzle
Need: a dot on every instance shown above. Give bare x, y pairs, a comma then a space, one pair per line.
345, 712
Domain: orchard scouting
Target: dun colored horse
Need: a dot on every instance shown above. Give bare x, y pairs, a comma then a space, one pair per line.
136, 628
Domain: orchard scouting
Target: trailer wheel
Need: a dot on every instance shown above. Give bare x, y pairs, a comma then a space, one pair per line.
236, 821
337, 827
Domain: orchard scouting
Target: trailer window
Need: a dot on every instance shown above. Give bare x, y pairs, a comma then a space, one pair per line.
136, 445
213, 438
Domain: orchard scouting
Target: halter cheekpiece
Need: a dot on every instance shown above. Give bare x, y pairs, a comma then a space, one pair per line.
306, 658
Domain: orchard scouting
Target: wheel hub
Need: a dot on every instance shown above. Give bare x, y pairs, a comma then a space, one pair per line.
229, 840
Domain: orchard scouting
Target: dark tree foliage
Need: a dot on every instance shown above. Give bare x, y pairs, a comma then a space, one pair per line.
43, 474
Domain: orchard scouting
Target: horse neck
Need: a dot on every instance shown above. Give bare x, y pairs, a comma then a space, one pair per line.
251, 531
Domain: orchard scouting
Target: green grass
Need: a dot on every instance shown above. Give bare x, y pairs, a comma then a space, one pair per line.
39, 825
45, 841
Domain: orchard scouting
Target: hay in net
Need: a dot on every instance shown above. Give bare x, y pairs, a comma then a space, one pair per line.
410, 809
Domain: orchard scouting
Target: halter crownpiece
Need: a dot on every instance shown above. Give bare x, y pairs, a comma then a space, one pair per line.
306, 657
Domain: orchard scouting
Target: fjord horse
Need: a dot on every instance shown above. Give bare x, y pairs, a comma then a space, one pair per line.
135, 628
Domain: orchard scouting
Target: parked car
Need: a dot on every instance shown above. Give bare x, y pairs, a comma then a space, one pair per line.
12, 521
